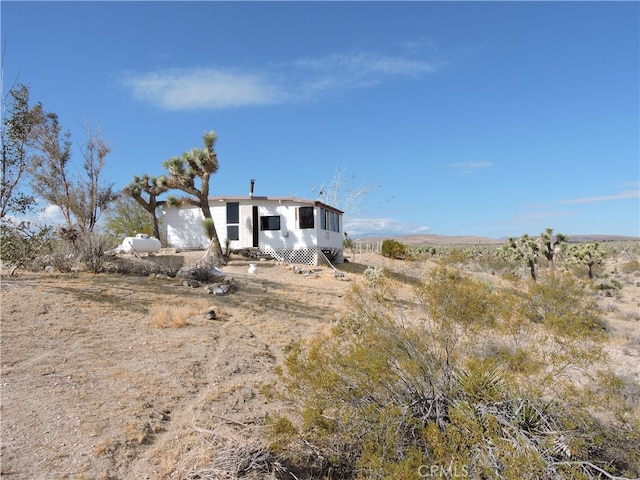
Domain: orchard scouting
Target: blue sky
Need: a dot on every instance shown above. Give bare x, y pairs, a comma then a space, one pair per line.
473, 118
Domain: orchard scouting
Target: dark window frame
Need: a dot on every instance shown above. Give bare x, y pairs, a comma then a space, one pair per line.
268, 222
233, 221
233, 213
233, 232
306, 218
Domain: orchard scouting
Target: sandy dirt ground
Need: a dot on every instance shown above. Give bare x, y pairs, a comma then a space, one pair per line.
97, 383
95, 386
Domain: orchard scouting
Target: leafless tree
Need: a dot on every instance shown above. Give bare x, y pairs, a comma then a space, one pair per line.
344, 193
80, 195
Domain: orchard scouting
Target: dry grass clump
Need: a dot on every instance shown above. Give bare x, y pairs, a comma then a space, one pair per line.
218, 453
105, 446
175, 316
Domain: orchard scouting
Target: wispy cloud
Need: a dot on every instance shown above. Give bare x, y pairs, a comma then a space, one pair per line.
360, 227
302, 79
470, 167
202, 88
604, 198
356, 70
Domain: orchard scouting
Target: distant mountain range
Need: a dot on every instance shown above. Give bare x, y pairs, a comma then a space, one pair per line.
433, 239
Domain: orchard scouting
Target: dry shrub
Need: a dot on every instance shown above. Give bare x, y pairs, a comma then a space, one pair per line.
632, 266
201, 453
91, 248
170, 316
168, 265
63, 256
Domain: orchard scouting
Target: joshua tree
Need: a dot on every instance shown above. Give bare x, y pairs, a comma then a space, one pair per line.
587, 254
198, 163
550, 246
524, 249
528, 249
153, 188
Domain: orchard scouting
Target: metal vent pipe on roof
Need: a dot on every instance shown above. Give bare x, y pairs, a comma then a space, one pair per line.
251, 189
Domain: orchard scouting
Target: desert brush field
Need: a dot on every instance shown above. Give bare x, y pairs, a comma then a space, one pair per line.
114, 376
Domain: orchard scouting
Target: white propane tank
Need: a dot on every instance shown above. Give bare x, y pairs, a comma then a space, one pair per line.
141, 243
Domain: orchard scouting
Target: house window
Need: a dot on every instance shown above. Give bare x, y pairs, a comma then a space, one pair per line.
233, 220
233, 232
334, 222
270, 222
329, 220
305, 217
233, 212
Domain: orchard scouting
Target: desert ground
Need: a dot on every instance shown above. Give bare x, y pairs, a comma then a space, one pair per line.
110, 376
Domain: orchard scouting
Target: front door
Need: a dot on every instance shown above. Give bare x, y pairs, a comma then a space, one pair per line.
256, 226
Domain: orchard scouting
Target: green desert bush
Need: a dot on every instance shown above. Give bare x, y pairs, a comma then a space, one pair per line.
401, 389
492, 262
563, 304
21, 243
425, 251
394, 249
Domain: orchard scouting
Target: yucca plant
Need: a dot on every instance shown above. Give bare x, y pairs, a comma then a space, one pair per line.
209, 227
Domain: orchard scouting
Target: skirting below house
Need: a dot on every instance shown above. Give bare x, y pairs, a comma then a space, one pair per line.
307, 256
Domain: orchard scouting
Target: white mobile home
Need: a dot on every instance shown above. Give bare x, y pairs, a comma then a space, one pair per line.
287, 228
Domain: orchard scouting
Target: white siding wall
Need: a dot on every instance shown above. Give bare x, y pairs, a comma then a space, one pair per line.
183, 227
278, 239
290, 236
330, 240
219, 216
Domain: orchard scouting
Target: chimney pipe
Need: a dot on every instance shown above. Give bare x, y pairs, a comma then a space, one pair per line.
251, 190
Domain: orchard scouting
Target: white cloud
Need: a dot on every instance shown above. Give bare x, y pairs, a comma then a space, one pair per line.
304, 79
50, 215
202, 89
363, 227
43, 215
357, 70
604, 198
470, 167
